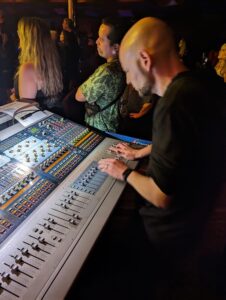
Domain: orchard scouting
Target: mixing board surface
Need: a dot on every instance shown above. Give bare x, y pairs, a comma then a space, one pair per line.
53, 204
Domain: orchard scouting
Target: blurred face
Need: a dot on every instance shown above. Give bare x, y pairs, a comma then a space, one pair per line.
54, 35
139, 78
62, 37
222, 52
2, 19
65, 25
104, 48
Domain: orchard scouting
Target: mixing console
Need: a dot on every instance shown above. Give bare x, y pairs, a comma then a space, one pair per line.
53, 204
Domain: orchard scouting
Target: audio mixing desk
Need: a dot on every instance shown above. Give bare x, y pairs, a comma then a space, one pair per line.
54, 203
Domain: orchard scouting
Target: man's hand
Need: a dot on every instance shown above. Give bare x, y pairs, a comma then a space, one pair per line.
112, 167
12, 96
125, 151
135, 115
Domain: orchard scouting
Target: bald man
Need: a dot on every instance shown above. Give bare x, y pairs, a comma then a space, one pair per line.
187, 132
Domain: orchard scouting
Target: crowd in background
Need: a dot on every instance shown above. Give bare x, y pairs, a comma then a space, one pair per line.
79, 59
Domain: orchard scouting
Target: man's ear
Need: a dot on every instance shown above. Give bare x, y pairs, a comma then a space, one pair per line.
116, 48
145, 60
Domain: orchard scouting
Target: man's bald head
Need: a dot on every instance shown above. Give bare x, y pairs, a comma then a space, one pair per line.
148, 56
150, 34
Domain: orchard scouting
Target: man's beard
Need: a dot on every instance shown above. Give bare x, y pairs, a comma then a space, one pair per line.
146, 90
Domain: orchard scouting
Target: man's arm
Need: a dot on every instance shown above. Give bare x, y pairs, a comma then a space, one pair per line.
92, 89
148, 189
144, 109
144, 185
79, 96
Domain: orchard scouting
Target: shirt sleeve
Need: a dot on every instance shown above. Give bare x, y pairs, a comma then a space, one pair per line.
97, 85
173, 141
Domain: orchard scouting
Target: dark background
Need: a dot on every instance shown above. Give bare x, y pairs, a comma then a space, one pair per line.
202, 22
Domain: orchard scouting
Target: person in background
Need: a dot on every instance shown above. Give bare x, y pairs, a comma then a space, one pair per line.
102, 90
7, 58
54, 35
89, 58
136, 114
70, 53
39, 75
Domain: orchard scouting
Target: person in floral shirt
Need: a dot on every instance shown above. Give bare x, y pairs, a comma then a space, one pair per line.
102, 90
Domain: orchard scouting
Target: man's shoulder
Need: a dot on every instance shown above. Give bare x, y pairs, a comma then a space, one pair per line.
199, 77
193, 84
192, 91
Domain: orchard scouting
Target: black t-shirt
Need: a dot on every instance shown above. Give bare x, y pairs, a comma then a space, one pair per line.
186, 161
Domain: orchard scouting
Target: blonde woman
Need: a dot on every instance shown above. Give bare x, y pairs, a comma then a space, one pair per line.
39, 74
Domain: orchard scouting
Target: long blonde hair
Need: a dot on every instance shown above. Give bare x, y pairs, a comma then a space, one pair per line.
37, 47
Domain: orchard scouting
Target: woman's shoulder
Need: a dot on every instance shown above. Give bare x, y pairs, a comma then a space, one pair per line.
27, 72
27, 67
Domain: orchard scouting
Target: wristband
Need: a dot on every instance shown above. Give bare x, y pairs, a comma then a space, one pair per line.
126, 173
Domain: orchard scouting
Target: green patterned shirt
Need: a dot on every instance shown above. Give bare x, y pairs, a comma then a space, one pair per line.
104, 86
